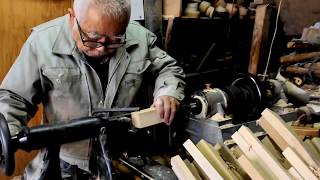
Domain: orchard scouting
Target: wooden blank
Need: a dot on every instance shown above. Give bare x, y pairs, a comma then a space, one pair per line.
215, 160
295, 173
200, 159
252, 170
298, 164
193, 169
277, 153
285, 137
145, 118
263, 153
316, 142
311, 148
252, 156
180, 169
229, 158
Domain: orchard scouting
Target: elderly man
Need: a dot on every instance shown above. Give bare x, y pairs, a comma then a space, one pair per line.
91, 58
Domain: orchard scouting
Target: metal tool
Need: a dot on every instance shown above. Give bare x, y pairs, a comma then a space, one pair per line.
53, 134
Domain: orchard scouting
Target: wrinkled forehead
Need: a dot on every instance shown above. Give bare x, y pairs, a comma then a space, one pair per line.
97, 25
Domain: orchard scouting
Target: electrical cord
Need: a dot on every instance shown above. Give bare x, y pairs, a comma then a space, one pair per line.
272, 41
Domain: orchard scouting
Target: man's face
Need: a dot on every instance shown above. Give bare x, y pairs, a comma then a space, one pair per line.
97, 35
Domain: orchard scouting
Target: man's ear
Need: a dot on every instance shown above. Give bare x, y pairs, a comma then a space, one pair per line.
71, 16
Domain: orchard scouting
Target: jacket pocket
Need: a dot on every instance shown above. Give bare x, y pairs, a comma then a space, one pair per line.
64, 80
134, 73
131, 82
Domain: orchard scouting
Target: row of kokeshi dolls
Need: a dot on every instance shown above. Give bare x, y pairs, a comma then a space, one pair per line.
215, 8
277, 153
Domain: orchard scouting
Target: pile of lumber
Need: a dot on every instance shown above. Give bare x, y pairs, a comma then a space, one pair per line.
280, 154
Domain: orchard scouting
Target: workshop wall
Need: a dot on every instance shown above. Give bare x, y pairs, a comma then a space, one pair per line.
297, 14
17, 18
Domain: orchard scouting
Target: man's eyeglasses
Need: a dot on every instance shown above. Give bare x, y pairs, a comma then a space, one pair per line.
114, 41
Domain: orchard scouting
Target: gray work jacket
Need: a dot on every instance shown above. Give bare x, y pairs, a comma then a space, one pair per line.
50, 70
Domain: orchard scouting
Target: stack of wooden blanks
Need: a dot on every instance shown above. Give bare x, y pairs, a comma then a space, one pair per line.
209, 162
280, 154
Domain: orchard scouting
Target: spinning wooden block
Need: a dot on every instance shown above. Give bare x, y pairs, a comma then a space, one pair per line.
145, 118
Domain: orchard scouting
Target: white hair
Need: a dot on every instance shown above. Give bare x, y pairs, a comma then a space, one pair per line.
118, 9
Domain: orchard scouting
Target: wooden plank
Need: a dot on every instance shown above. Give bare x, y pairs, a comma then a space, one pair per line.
203, 163
263, 153
180, 169
259, 37
295, 173
193, 169
215, 160
145, 118
298, 164
250, 168
255, 160
267, 142
230, 159
287, 136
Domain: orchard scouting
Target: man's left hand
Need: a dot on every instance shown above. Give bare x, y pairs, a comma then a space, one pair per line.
166, 107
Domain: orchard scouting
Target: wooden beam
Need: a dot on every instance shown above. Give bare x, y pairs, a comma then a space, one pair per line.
200, 159
298, 164
259, 37
180, 169
285, 137
145, 118
263, 153
215, 160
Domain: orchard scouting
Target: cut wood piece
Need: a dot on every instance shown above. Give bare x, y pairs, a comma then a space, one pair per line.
284, 136
180, 169
253, 171
193, 169
275, 151
298, 164
275, 136
215, 160
203, 175
145, 118
311, 148
316, 143
231, 160
236, 151
263, 153
252, 156
203, 163
295, 173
